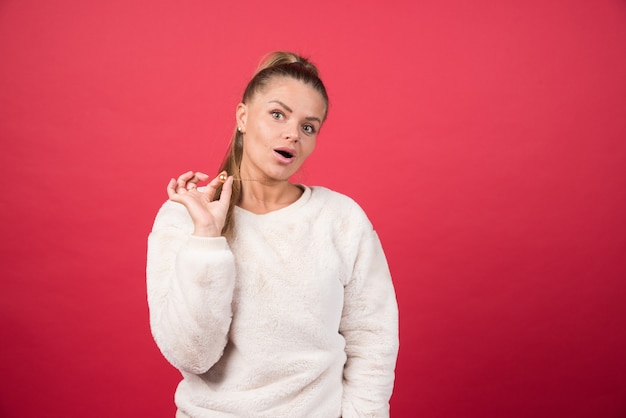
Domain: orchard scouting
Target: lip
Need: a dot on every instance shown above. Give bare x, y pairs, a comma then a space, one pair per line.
281, 158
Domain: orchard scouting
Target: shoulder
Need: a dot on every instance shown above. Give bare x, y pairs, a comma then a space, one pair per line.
324, 194
339, 206
332, 198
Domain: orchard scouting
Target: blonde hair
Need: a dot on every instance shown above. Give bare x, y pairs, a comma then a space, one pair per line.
275, 64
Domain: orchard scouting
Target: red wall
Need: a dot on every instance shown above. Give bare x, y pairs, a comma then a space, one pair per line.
486, 140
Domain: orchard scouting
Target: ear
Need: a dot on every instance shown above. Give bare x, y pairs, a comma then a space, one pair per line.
241, 115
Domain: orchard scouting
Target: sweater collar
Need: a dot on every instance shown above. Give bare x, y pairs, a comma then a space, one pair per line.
279, 213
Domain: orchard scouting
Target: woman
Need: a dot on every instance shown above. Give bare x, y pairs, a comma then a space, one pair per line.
273, 299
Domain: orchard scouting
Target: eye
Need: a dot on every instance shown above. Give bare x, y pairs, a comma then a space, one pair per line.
277, 114
308, 129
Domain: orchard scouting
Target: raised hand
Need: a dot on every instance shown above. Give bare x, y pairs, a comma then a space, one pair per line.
208, 215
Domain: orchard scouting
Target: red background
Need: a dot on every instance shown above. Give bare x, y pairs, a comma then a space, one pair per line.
486, 140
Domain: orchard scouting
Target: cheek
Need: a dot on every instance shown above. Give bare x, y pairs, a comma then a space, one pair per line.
264, 130
257, 133
308, 148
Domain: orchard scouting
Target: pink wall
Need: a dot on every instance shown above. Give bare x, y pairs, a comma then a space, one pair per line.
486, 140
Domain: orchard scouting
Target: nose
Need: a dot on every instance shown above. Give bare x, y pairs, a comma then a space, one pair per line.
292, 135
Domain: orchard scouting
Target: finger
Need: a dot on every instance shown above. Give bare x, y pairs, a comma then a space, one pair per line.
182, 185
197, 177
185, 177
227, 190
201, 176
192, 183
221, 178
214, 185
171, 190
189, 181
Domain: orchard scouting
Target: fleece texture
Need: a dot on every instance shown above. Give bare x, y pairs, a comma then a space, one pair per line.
294, 316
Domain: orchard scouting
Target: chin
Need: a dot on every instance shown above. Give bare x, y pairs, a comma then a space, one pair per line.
282, 175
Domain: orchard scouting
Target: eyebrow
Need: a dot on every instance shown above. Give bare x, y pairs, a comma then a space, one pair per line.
288, 109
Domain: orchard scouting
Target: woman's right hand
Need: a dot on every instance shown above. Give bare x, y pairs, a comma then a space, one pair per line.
208, 215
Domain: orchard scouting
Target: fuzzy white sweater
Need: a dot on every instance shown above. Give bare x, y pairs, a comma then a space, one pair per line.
294, 316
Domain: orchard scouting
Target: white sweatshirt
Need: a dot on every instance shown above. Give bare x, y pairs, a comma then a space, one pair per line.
294, 316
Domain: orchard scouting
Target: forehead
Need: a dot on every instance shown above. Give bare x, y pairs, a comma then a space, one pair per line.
292, 92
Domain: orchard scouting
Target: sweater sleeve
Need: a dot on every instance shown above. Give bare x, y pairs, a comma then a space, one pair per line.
190, 282
369, 325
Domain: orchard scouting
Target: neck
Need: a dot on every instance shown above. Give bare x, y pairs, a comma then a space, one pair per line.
263, 197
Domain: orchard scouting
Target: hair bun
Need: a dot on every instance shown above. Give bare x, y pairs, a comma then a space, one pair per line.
281, 58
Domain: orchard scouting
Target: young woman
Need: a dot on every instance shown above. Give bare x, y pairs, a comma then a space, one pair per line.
273, 299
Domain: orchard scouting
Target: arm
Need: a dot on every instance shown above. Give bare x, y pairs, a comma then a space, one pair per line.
190, 283
369, 325
191, 274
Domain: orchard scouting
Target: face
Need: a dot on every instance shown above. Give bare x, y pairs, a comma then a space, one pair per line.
280, 125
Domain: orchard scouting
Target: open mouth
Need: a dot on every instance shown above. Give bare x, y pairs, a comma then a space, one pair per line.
284, 153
